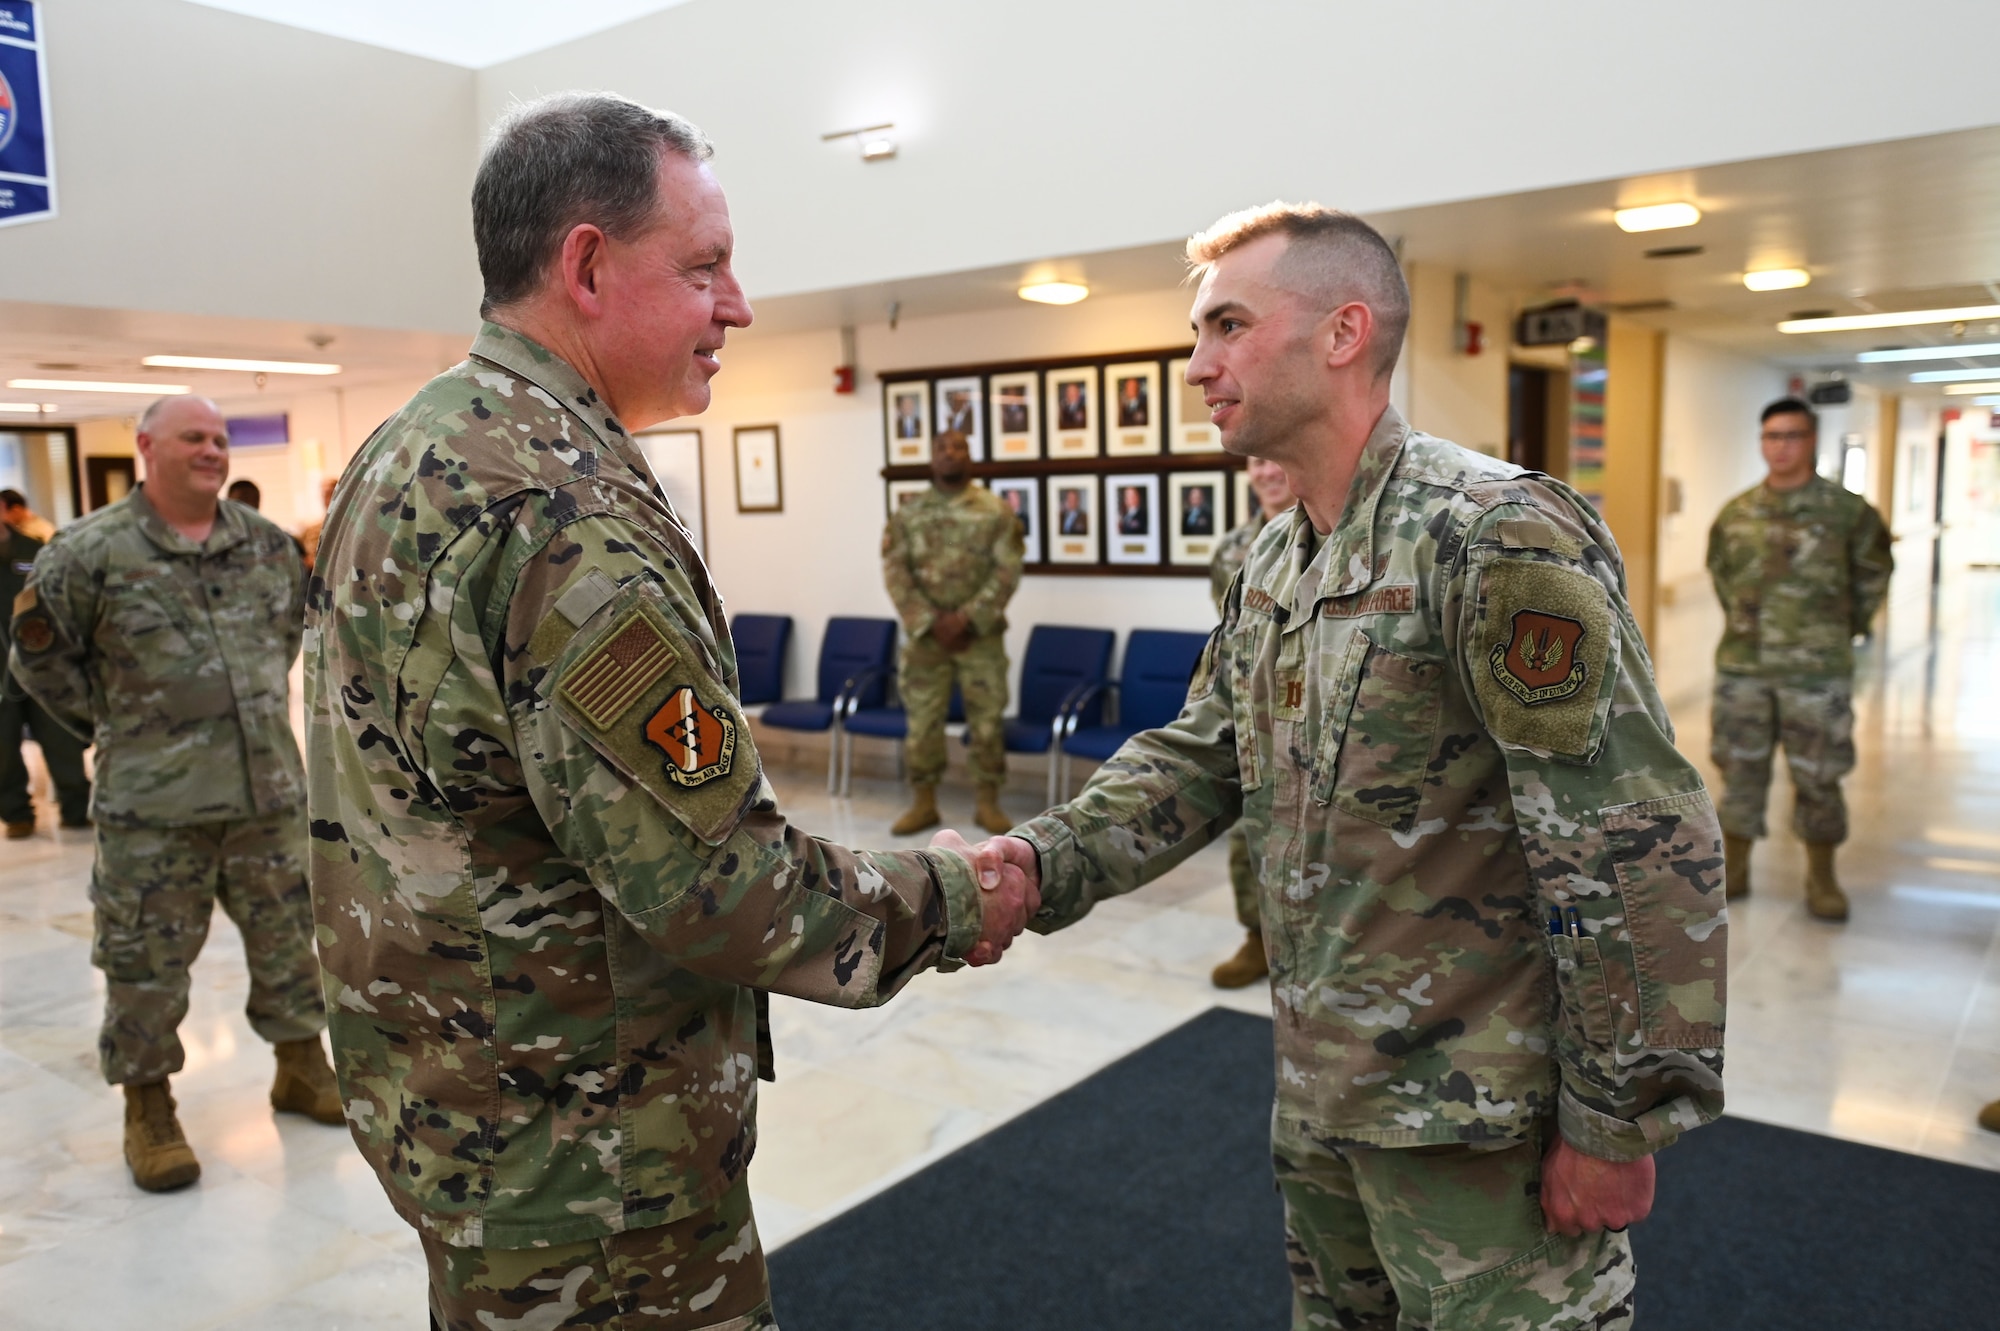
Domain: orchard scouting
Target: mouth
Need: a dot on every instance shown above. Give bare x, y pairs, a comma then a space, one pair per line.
1218, 407
707, 358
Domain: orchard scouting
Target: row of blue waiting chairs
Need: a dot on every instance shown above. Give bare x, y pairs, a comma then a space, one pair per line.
1065, 684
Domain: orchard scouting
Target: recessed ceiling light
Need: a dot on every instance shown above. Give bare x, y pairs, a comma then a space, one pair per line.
1848, 323
93, 386
1656, 217
228, 363
20, 406
1953, 376
1993, 401
1958, 390
1929, 353
1054, 293
1777, 279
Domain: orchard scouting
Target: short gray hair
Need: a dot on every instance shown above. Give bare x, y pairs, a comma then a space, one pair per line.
560, 161
1332, 257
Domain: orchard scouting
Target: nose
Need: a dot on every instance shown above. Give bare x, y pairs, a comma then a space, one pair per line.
732, 309
1201, 365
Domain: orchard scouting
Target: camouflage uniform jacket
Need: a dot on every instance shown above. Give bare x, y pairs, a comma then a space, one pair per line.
952, 552
1440, 724
17, 560
548, 872
1230, 552
1799, 573
176, 657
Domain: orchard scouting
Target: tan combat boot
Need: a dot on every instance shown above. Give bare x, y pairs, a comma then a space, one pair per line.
922, 813
304, 1084
155, 1148
1989, 1117
989, 814
1245, 968
1736, 862
1823, 895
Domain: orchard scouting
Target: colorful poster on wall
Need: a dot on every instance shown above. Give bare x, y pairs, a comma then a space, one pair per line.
1587, 379
27, 156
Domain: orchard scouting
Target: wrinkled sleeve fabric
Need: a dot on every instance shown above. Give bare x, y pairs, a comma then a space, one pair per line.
638, 760
54, 617
1869, 564
987, 610
912, 606
1164, 795
1614, 824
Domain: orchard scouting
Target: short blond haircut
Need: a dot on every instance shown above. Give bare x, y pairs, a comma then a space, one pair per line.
1331, 258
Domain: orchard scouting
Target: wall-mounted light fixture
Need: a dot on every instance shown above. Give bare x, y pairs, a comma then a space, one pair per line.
1777, 279
230, 363
1656, 217
1054, 293
873, 140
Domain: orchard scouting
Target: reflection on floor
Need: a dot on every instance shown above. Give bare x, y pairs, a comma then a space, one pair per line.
1886, 1031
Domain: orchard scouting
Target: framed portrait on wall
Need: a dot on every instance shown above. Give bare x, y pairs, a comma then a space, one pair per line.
1023, 495
1072, 519
1132, 518
1188, 427
675, 457
960, 407
1132, 409
1016, 422
760, 481
1195, 518
1242, 501
1072, 406
902, 492
906, 418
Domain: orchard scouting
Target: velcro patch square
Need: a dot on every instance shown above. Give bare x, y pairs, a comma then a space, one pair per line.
605, 684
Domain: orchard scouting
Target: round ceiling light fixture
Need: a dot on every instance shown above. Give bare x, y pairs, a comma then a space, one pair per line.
1054, 293
1777, 279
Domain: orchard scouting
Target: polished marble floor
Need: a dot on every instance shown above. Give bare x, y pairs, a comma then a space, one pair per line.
1885, 1031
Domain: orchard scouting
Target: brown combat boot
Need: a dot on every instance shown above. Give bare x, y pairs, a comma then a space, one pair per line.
21, 831
989, 814
304, 1084
155, 1147
1248, 966
1823, 895
1736, 862
1989, 1117
923, 812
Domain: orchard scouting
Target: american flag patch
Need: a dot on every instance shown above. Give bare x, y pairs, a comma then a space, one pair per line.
614, 676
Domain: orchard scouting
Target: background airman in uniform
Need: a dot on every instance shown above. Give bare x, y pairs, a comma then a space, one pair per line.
62, 752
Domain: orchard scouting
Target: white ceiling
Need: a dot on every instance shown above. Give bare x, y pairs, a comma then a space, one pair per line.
472, 33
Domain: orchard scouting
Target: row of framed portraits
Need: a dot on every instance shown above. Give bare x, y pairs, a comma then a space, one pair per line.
1129, 518
1122, 409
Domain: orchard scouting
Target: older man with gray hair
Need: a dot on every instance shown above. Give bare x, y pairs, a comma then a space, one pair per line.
553, 886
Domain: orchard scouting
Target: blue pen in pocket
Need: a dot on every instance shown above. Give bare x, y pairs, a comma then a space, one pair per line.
1555, 922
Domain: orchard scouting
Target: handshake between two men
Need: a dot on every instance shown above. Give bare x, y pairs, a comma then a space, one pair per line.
1009, 876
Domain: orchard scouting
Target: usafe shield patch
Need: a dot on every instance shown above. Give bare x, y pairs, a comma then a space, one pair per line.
1540, 665
699, 742
1543, 656
606, 683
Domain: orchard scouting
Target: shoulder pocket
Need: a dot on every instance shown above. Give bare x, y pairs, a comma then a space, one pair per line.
1668, 857
638, 688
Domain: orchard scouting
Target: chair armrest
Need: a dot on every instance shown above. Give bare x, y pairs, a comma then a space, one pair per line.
848, 701
1070, 710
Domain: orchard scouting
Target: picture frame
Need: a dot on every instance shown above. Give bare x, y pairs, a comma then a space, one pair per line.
675, 459
961, 405
1132, 409
1196, 517
1023, 494
1016, 416
1072, 534
1072, 412
906, 422
1132, 518
902, 492
760, 473
1188, 428
1242, 503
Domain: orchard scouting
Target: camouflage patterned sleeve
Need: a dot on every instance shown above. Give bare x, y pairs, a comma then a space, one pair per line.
295, 627
987, 609
1614, 823
638, 760
54, 617
1869, 564
912, 606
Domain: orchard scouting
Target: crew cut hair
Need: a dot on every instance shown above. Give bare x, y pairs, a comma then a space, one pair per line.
1333, 257
1791, 406
560, 161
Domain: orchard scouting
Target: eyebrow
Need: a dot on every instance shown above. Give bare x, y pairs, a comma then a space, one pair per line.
1215, 312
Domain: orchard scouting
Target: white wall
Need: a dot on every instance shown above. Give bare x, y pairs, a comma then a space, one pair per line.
213, 164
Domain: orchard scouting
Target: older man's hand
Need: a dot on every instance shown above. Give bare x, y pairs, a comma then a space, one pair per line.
1009, 896
1582, 1194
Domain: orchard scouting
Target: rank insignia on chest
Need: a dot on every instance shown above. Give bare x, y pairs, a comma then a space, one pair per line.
699, 742
1539, 664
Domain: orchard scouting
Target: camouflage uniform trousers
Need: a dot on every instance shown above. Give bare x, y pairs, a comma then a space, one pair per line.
980, 671
61, 751
1438, 1238
1243, 882
1814, 719
155, 889
705, 1272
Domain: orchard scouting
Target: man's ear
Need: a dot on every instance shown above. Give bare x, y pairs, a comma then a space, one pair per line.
582, 268
1347, 332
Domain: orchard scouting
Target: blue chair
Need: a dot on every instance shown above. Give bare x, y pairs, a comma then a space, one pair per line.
857, 658
890, 722
760, 642
1060, 663
1151, 689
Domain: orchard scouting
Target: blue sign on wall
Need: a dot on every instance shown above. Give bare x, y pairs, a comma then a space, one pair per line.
27, 157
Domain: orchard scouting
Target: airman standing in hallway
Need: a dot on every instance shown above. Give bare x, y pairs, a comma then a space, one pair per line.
166, 625
1801, 565
14, 511
62, 752
1272, 495
952, 560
